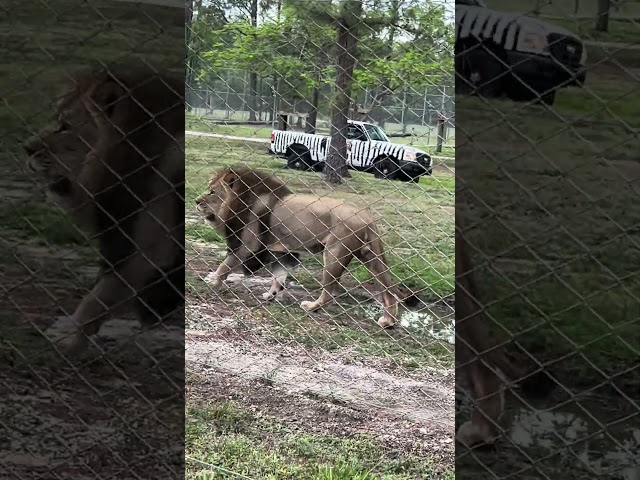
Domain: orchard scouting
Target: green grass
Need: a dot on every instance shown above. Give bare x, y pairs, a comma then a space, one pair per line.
223, 434
619, 31
49, 225
202, 124
601, 101
203, 233
577, 222
416, 228
41, 45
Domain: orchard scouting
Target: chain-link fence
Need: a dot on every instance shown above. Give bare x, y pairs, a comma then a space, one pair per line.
547, 148
291, 372
408, 113
92, 240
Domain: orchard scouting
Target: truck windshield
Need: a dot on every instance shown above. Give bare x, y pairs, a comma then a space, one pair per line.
376, 133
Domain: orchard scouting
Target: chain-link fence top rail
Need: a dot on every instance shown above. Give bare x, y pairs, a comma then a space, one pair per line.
325, 393
111, 217
548, 167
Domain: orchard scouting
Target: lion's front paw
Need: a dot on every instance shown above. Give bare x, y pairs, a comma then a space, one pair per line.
213, 279
472, 435
385, 322
309, 306
66, 336
70, 342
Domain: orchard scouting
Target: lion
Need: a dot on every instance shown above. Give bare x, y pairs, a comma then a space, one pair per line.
114, 159
265, 224
482, 361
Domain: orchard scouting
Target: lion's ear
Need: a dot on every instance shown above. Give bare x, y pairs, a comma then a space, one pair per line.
231, 181
104, 99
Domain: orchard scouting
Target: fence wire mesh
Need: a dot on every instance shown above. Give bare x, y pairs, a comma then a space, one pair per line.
92, 229
546, 174
274, 388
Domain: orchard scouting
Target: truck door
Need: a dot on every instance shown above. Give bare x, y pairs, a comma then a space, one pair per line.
356, 141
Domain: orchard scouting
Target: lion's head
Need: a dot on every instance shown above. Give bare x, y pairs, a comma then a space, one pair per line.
233, 190
210, 202
104, 106
58, 151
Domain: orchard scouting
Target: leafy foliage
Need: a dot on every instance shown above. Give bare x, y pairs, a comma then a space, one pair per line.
404, 44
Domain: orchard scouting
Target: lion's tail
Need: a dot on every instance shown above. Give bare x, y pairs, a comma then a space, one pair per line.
534, 382
373, 243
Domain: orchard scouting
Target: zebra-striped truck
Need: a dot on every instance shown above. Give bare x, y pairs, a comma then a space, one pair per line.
368, 150
511, 53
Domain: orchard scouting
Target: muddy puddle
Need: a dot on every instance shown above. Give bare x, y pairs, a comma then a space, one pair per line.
432, 321
590, 447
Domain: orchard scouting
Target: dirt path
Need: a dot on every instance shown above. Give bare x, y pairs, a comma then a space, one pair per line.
423, 400
306, 414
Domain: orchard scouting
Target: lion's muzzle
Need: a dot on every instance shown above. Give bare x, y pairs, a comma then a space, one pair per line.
35, 149
206, 210
34, 146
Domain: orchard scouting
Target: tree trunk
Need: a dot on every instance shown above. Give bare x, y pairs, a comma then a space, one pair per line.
602, 20
312, 119
188, 18
335, 168
253, 76
191, 7
253, 95
260, 100
274, 100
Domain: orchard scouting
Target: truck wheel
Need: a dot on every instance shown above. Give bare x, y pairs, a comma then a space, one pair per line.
299, 160
480, 68
386, 167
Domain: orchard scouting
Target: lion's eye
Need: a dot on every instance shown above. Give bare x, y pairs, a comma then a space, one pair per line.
63, 126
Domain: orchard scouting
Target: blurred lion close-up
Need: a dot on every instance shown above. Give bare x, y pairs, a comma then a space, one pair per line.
265, 224
114, 160
485, 366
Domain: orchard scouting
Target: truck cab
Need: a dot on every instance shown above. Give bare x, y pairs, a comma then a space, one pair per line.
366, 132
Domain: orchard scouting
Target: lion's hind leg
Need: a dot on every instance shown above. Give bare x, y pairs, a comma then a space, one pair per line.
488, 399
376, 265
336, 258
